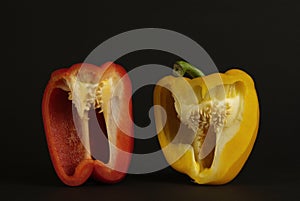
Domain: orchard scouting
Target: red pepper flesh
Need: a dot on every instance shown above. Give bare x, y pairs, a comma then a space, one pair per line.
70, 158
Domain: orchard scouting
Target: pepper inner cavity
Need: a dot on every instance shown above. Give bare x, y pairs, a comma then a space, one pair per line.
208, 119
87, 98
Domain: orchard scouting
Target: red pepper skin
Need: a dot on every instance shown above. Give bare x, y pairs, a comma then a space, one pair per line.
69, 161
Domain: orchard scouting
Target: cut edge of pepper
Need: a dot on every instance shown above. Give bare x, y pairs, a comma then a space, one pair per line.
58, 82
161, 135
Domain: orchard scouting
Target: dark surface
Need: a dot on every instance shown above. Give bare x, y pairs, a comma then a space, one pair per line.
167, 186
261, 38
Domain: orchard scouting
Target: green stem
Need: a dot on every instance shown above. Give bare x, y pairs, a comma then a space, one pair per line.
181, 68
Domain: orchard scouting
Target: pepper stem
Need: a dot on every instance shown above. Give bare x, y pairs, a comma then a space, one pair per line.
181, 68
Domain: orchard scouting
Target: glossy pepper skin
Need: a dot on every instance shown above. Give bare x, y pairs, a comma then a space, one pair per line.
232, 142
73, 161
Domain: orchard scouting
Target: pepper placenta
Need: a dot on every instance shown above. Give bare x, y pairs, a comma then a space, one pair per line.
77, 100
208, 124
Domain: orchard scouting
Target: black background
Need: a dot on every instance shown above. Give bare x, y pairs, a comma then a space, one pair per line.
261, 38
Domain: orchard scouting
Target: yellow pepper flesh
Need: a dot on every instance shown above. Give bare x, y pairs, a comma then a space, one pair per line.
233, 141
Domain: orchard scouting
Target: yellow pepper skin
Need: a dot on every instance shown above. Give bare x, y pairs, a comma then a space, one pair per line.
233, 142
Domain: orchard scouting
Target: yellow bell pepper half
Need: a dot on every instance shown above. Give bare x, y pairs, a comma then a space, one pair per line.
207, 125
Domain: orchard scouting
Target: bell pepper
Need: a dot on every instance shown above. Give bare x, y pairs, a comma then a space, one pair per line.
208, 124
71, 98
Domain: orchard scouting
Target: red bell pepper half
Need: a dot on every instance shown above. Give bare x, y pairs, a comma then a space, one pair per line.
77, 101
